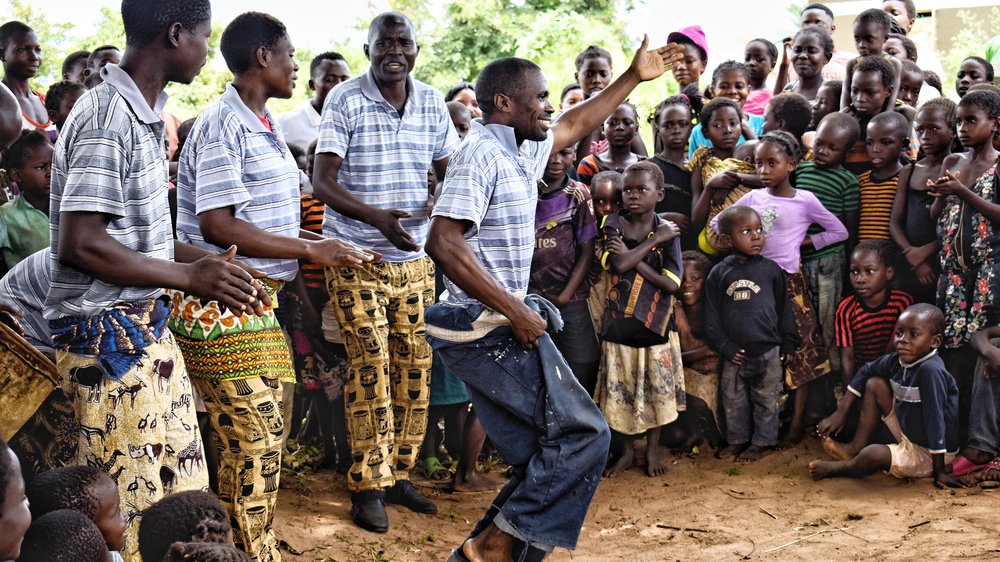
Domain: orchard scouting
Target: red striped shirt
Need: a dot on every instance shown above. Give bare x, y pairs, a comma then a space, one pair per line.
867, 330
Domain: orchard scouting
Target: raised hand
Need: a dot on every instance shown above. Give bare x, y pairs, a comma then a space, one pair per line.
653, 63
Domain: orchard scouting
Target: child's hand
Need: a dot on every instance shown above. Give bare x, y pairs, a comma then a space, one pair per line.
666, 232
616, 246
739, 357
926, 275
831, 425
945, 480
849, 110
946, 185
724, 181
683, 222
745, 129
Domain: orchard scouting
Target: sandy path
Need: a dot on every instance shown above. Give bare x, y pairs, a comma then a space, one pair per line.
723, 511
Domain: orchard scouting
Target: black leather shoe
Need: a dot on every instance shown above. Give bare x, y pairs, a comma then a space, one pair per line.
404, 493
368, 510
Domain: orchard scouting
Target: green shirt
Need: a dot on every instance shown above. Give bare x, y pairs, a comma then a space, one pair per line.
23, 231
837, 190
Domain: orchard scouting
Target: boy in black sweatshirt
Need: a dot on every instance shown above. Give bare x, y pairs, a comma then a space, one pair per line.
749, 321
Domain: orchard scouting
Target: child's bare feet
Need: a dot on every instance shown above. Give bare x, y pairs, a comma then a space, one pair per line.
474, 482
992, 472
837, 450
622, 463
792, 438
752, 453
731, 451
824, 469
654, 465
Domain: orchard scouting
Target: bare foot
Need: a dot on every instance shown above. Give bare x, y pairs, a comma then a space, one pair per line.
824, 469
654, 465
474, 482
992, 472
792, 438
753, 453
622, 463
492, 545
837, 450
731, 451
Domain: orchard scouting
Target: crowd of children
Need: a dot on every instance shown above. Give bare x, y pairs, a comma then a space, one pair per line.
811, 248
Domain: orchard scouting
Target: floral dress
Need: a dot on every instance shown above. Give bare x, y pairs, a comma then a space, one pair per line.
969, 248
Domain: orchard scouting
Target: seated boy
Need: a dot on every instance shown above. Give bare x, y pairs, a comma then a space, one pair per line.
914, 395
749, 322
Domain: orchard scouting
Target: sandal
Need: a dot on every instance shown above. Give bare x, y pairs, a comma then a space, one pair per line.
962, 466
432, 469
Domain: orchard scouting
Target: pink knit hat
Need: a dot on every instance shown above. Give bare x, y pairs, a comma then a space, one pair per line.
692, 34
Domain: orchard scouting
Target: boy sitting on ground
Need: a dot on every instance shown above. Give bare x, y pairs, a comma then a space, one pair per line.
916, 398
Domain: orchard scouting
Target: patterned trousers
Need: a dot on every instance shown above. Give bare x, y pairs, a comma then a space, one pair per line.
141, 429
380, 308
247, 416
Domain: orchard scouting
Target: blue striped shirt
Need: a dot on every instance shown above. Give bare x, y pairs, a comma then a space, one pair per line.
24, 288
230, 159
386, 157
492, 184
110, 159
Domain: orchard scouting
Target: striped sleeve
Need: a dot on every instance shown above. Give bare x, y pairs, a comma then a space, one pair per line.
842, 323
95, 176
334, 131
218, 164
466, 192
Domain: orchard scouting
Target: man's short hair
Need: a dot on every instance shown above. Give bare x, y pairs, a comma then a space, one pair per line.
145, 20
318, 60
390, 18
10, 30
821, 7
506, 76
248, 32
96, 53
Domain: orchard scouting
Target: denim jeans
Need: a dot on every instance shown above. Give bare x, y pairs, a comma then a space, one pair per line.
542, 422
825, 279
578, 343
984, 419
755, 385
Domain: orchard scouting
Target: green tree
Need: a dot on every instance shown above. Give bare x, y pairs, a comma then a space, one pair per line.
55, 39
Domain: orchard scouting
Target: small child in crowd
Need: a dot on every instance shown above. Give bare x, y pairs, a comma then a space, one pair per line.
717, 178
827, 101
911, 392
190, 516
65, 535
641, 381
888, 135
787, 213
900, 47
912, 227
866, 319
619, 130
749, 322
24, 222
89, 491
731, 80
760, 56
606, 198
911, 83
461, 117
15, 517
869, 93
672, 120
60, 99
789, 112
565, 234
837, 189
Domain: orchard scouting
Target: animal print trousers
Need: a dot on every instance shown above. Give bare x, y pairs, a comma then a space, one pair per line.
247, 416
141, 429
380, 307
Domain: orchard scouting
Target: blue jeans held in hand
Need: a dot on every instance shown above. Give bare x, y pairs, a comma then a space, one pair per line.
542, 422
984, 418
753, 387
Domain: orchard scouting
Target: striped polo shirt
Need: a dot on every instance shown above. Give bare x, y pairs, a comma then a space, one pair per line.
837, 190
24, 288
231, 159
110, 159
868, 330
491, 184
876, 205
386, 157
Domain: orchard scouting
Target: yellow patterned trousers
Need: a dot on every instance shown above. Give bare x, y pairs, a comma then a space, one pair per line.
141, 429
380, 308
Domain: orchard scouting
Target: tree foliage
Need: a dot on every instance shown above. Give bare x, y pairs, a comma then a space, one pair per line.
969, 41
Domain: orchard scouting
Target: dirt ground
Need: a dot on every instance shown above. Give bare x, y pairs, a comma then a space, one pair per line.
703, 509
